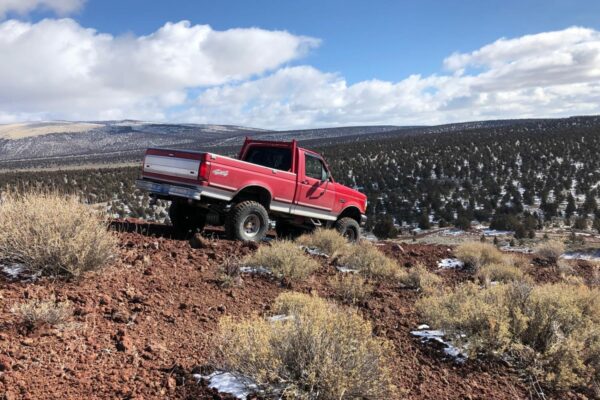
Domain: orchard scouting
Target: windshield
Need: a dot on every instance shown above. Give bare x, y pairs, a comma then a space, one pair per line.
272, 157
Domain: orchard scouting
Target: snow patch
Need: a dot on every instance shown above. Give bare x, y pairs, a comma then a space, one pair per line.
495, 232
255, 270
591, 255
313, 251
280, 317
343, 269
453, 232
450, 263
13, 271
226, 382
428, 335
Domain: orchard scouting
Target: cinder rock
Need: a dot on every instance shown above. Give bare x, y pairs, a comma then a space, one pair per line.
199, 242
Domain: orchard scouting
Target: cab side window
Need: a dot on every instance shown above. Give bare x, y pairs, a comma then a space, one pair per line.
314, 168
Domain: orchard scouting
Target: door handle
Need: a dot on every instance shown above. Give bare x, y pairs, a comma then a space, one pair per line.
304, 182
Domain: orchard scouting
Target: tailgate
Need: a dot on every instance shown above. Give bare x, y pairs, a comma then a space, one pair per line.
176, 164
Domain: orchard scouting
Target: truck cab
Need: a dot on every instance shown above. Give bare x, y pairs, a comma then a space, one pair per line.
269, 182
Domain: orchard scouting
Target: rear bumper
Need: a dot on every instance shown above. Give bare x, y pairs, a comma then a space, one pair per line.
165, 189
363, 220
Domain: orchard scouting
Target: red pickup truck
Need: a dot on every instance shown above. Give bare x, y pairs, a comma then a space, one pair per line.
270, 182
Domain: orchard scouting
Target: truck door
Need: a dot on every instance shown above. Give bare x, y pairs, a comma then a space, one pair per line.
316, 193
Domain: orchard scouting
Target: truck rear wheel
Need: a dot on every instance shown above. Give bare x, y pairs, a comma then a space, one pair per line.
186, 219
348, 228
247, 221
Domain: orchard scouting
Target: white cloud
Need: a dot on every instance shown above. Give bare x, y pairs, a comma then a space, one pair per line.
544, 75
60, 7
61, 69
182, 72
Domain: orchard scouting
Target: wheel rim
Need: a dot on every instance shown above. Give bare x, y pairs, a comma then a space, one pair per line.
350, 234
251, 225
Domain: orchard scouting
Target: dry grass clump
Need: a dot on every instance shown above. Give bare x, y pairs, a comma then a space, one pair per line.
284, 259
53, 234
550, 250
34, 313
369, 261
553, 328
499, 273
351, 288
322, 352
477, 254
418, 277
329, 241
229, 273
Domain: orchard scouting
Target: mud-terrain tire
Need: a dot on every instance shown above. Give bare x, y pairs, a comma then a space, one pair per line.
285, 230
186, 220
348, 228
247, 221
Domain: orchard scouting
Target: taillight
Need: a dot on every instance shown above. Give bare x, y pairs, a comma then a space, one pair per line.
204, 170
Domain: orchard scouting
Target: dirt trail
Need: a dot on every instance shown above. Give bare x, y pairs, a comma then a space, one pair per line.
141, 326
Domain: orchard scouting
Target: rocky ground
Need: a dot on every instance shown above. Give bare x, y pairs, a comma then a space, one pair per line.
143, 325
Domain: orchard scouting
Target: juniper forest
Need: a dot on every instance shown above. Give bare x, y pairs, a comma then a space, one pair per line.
514, 175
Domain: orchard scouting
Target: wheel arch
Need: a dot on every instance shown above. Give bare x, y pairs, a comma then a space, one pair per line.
351, 212
254, 192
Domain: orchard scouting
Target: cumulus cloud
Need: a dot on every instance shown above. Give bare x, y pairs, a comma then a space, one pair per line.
60, 7
549, 74
58, 69
61, 68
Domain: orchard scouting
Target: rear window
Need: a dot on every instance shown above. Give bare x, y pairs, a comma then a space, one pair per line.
272, 157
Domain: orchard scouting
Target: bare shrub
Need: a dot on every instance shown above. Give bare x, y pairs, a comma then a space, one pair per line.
34, 313
229, 273
351, 288
547, 326
369, 261
477, 254
329, 241
53, 234
418, 277
284, 259
322, 352
499, 273
550, 250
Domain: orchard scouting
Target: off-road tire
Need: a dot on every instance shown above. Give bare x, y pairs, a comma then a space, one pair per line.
349, 228
247, 221
186, 220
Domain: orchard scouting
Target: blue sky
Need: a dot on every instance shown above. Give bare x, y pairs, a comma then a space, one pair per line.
354, 44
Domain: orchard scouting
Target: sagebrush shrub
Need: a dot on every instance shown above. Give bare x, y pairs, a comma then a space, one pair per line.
323, 351
552, 328
284, 259
550, 249
36, 312
53, 234
350, 288
418, 277
477, 254
369, 261
499, 273
329, 241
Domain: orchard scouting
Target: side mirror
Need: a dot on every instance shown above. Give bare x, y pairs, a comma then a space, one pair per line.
325, 175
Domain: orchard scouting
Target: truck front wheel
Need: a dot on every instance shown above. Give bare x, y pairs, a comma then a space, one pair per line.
348, 228
247, 221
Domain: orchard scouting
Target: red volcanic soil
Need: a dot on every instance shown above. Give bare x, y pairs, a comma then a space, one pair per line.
141, 326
